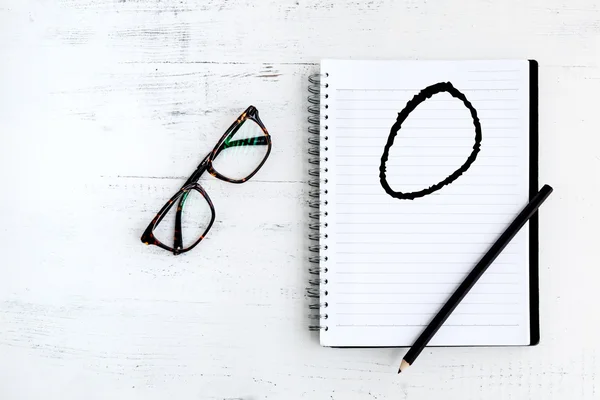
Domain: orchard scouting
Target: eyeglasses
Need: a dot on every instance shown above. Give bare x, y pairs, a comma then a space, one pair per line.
188, 216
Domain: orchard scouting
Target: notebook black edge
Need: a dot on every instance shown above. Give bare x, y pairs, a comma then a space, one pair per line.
534, 289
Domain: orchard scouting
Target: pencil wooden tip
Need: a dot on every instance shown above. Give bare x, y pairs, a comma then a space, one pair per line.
403, 366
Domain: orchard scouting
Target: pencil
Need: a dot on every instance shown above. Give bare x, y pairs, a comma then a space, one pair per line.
528, 211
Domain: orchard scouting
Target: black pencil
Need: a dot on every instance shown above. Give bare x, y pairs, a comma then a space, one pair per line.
494, 251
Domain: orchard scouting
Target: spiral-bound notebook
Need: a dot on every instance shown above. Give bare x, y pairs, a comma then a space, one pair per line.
399, 220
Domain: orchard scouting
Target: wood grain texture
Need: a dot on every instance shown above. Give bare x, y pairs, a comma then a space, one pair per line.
106, 106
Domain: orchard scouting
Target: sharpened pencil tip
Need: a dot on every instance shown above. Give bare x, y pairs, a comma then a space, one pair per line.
403, 366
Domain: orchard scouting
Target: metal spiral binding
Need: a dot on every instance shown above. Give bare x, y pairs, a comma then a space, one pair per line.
318, 183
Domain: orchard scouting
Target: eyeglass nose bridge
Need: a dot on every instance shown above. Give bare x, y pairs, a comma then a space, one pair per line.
202, 168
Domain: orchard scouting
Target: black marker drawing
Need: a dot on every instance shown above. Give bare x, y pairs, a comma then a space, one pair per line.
410, 107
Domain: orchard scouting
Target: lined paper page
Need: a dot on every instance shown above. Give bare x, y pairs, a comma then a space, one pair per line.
392, 263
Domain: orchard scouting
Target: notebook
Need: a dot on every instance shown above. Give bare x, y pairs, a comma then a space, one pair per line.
416, 168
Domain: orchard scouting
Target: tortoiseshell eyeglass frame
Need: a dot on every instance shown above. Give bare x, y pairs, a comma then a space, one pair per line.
225, 142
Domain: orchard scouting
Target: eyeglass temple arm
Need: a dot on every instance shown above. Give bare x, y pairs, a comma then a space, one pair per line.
253, 141
178, 236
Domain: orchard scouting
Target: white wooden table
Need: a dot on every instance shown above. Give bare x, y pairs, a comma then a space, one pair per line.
106, 106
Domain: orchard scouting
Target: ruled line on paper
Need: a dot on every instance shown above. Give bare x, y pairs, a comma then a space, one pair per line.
418, 253
380, 203
426, 119
437, 303
428, 137
441, 272
409, 243
418, 90
424, 283
422, 213
425, 314
431, 100
423, 270
405, 164
407, 325
342, 146
420, 293
430, 203
420, 223
444, 128
479, 233
493, 71
429, 109
406, 183
418, 185
408, 165
410, 262
493, 80
463, 273
390, 274
488, 174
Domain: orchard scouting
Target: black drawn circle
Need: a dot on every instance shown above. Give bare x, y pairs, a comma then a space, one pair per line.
402, 115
